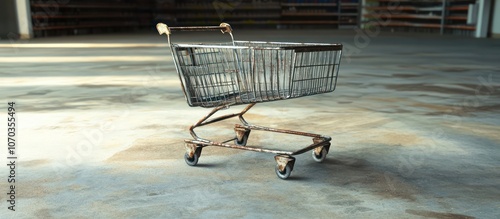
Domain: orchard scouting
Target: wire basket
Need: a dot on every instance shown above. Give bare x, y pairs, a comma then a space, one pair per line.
245, 72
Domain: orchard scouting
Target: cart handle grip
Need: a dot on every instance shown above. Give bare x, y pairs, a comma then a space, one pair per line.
164, 29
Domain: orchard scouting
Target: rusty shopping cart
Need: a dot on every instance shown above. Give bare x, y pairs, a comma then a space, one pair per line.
247, 72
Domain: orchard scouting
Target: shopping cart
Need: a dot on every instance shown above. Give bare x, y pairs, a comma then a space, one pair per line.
247, 72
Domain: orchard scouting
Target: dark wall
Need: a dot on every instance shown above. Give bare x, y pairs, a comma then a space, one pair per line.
8, 19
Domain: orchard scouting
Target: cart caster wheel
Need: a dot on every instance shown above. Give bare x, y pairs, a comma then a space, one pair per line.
286, 162
243, 141
193, 153
321, 156
191, 161
241, 134
285, 173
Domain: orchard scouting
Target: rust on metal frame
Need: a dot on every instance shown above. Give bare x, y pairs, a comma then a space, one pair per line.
319, 141
283, 161
224, 27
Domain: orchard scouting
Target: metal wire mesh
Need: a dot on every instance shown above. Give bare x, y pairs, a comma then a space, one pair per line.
251, 72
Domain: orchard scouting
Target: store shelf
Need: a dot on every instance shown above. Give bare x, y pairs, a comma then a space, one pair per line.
349, 13
309, 14
309, 22
309, 4
458, 8
85, 16
327, 12
461, 27
403, 8
89, 5
89, 16
442, 15
457, 17
403, 16
243, 12
409, 24
90, 25
274, 12
92, 16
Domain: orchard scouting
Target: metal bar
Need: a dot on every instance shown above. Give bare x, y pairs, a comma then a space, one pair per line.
224, 27
192, 56
204, 121
293, 63
247, 148
310, 147
218, 119
226, 141
258, 149
312, 48
443, 16
262, 128
336, 74
197, 28
191, 129
262, 75
303, 47
243, 113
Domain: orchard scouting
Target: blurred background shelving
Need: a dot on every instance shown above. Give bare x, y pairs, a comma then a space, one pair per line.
439, 16
73, 17
94, 16
324, 13
89, 16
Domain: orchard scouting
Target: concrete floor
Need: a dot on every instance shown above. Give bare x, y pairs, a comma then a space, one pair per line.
102, 119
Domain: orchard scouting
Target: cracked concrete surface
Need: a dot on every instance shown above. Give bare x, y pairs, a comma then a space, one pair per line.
414, 122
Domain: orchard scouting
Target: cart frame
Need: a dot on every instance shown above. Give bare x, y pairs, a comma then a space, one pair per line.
204, 98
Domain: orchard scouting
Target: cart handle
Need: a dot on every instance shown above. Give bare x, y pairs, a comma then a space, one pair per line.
164, 29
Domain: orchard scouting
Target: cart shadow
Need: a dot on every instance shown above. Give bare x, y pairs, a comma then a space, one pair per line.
329, 170
207, 165
299, 178
350, 168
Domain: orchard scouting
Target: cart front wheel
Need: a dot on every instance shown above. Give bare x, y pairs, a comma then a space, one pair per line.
243, 141
321, 156
285, 173
191, 161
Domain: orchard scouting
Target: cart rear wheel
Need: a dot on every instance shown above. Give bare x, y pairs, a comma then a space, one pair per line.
321, 156
285, 173
191, 161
